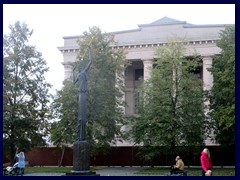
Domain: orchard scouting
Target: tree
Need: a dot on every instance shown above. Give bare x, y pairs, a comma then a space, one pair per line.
222, 94
25, 92
63, 132
171, 112
104, 115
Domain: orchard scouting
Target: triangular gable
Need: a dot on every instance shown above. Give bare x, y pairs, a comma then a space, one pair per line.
164, 21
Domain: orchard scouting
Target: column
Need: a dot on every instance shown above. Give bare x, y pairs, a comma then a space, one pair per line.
207, 85
120, 82
68, 71
147, 68
207, 75
69, 59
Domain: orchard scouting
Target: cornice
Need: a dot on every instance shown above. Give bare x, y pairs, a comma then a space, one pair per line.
139, 46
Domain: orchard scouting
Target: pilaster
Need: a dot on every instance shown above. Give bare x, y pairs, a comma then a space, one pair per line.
207, 75
147, 68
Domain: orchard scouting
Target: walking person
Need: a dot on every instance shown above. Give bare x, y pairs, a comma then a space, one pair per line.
21, 163
206, 163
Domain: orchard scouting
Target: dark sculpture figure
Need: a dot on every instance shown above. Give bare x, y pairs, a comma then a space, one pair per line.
81, 148
82, 98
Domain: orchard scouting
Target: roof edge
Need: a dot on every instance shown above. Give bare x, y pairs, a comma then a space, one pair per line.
207, 25
114, 32
72, 37
149, 25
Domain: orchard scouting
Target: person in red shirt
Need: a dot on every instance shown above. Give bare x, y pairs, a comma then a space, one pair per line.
206, 163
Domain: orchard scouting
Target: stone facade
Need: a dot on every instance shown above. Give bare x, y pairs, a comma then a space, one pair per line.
140, 44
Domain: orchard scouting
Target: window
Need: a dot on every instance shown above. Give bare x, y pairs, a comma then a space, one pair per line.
138, 74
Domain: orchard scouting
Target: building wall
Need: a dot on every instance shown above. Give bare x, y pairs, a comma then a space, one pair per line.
140, 45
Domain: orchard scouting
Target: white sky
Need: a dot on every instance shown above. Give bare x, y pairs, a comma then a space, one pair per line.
51, 22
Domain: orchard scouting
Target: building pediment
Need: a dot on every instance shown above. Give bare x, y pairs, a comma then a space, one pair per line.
163, 21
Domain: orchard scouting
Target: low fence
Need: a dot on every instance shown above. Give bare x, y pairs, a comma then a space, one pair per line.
126, 156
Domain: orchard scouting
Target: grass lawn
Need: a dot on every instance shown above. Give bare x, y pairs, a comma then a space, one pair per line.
190, 171
52, 169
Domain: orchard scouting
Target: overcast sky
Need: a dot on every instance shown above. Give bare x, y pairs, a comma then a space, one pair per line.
51, 22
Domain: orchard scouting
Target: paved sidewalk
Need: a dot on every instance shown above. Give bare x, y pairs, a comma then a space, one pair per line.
119, 171
111, 171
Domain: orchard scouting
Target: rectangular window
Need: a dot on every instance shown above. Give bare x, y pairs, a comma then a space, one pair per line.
138, 74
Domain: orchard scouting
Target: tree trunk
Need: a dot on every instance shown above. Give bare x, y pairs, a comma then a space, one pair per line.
12, 155
60, 162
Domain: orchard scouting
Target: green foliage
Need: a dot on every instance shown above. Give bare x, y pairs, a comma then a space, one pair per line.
222, 95
25, 92
64, 109
172, 110
105, 85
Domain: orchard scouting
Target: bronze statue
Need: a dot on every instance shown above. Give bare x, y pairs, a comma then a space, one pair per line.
82, 97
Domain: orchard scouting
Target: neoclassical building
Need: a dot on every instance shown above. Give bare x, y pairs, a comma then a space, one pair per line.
140, 44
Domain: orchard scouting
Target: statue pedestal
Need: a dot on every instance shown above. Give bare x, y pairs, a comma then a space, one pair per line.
81, 156
82, 173
81, 160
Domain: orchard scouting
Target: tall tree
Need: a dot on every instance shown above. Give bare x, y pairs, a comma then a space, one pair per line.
222, 95
64, 109
172, 110
25, 92
105, 85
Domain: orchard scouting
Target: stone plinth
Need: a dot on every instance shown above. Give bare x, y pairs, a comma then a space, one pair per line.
81, 156
82, 173
81, 160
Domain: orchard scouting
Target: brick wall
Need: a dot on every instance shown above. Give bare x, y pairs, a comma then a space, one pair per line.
126, 156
